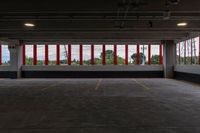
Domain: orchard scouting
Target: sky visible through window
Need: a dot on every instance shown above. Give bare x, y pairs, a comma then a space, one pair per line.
86, 51
5, 54
75, 51
184, 51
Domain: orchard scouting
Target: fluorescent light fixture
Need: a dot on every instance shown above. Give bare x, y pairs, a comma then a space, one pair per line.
182, 24
29, 24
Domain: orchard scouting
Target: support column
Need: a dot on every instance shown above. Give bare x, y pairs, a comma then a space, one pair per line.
16, 61
169, 58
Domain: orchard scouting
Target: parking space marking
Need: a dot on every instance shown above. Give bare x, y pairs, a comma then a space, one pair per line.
142, 85
98, 84
50, 86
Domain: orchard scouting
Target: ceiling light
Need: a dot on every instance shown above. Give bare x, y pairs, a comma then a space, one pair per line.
29, 24
182, 24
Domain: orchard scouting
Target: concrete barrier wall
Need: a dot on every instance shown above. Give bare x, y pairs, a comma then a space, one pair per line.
64, 71
192, 69
8, 72
94, 68
7, 68
187, 72
108, 71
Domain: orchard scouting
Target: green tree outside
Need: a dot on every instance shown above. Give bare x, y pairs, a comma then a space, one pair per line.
109, 60
134, 58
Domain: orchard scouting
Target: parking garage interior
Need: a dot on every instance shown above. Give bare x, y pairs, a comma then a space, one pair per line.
100, 66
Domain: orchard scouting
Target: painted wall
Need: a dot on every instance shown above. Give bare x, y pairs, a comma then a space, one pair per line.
192, 69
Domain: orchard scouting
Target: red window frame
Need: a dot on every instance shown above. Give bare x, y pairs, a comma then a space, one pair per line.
149, 54
138, 54
115, 54
0, 53
184, 52
57, 54
23, 54
81, 54
34, 54
69, 54
191, 59
199, 50
179, 53
92, 54
103, 54
126, 54
161, 54
46, 54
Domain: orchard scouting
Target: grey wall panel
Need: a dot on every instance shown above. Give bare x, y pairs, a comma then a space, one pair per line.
94, 68
193, 69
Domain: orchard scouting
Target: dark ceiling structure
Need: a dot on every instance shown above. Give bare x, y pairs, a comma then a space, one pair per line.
99, 19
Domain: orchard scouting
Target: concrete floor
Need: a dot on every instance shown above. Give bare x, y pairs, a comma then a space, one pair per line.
99, 106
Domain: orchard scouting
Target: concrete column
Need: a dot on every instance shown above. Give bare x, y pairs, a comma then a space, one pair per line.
169, 58
15, 56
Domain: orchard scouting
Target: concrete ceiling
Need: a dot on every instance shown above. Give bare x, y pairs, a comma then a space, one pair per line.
98, 19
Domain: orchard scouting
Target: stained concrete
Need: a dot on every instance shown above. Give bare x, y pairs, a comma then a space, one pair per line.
99, 106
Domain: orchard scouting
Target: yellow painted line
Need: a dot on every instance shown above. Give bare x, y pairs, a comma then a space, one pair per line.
98, 84
145, 87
